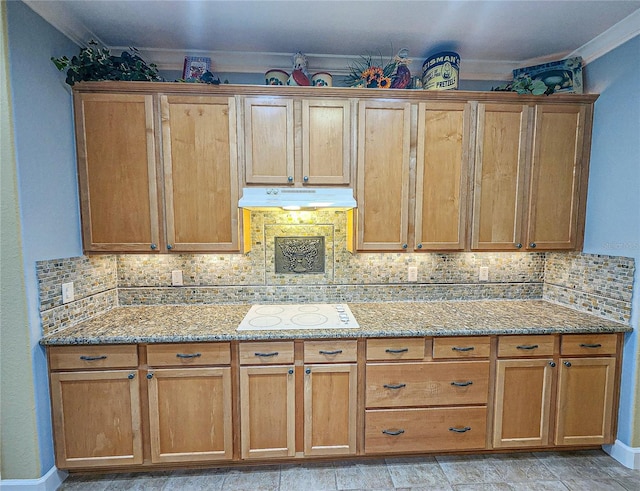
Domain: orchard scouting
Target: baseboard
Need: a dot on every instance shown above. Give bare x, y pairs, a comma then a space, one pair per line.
49, 482
626, 455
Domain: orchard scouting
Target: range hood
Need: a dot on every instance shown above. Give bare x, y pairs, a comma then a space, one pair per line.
292, 199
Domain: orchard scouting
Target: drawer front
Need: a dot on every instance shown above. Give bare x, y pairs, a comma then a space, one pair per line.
517, 346
395, 349
266, 353
423, 430
427, 384
462, 347
187, 354
330, 351
93, 356
588, 344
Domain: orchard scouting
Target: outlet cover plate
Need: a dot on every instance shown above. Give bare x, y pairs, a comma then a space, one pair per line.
176, 278
68, 294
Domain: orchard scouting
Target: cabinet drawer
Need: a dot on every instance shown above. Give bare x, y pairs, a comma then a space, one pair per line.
427, 384
395, 349
420, 430
266, 353
330, 351
462, 347
183, 354
517, 346
94, 356
588, 344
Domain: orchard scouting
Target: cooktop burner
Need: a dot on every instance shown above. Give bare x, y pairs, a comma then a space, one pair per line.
295, 316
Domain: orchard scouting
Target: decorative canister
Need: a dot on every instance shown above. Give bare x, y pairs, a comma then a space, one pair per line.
440, 71
322, 79
276, 77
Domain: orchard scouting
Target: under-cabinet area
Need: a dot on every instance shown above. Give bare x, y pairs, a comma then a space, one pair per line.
175, 404
162, 166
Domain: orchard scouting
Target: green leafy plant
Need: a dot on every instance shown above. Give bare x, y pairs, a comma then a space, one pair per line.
524, 84
366, 73
97, 63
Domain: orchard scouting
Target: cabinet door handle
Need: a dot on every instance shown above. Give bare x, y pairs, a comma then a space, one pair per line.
290, 371
305, 178
527, 346
589, 345
188, 355
169, 246
419, 246
552, 364
394, 386
567, 364
153, 247
335, 352
290, 178
149, 376
404, 246
308, 371
518, 245
400, 350
462, 384
393, 432
93, 358
465, 348
131, 376
532, 245
460, 430
273, 353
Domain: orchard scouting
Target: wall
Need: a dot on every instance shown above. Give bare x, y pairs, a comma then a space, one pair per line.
19, 450
47, 188
613, 219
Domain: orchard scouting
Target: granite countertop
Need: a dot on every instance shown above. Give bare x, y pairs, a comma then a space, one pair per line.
187, 323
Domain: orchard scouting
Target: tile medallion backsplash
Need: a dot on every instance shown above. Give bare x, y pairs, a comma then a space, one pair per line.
595, 284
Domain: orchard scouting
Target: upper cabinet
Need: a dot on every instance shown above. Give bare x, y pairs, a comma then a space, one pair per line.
117, 171
384, 133
200, 173
530, 178
442, 171
297, 141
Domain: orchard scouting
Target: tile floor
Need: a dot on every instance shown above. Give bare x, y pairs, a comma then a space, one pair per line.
591, 470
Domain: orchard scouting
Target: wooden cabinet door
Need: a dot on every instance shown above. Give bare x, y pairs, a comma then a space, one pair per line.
200, 173
267, 411
442, 174
383, 175
585, 401
96, 418
268, 140
499, 181
330, 402
190, 414
117, 172
326, 141
522, 403
556, 173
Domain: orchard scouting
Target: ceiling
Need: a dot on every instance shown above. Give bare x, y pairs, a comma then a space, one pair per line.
247, 36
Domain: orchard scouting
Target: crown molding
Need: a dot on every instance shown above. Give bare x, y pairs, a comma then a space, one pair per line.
618, 34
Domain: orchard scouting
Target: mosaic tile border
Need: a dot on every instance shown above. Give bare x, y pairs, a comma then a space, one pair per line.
72, 313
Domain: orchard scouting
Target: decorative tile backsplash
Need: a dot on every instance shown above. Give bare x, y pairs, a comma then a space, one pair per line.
596, 284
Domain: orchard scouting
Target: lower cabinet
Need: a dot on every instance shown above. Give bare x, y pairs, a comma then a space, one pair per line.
189, 402
95, 406
128, 406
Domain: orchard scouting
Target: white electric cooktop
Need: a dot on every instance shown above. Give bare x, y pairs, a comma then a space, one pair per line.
298, 316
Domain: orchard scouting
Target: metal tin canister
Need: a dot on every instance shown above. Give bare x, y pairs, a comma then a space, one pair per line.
440, 71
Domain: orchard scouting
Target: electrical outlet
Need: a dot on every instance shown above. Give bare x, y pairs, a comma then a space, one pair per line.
412, 273
484, 273
67, 292
176, 278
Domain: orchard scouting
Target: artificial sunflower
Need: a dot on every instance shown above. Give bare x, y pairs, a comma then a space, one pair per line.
384, 83
365, 74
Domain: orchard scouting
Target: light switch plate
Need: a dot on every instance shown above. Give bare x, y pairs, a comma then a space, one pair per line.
176, 278
67, 292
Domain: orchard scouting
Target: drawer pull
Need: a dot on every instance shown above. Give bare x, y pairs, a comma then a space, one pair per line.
528, 346
460, 430
335, 352
394, 386
466, 348
273, 353
188, 355
93, 358
393, 432
589, 345
400, 350
462, 384
131, 376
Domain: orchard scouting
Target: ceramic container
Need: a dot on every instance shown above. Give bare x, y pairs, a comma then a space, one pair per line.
276, 77
298, 78
322, 79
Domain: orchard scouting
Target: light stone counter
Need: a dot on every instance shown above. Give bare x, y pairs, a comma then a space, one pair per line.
186, 323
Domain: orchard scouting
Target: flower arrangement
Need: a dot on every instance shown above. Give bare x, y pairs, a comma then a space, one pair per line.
394, 74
